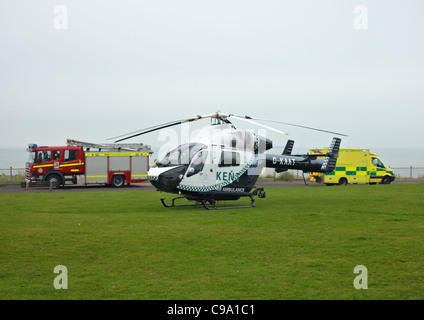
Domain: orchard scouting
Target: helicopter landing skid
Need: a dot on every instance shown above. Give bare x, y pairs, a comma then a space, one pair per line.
211, 203
198, 203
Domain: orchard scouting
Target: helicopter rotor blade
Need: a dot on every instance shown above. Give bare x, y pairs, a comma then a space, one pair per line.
257, 123
149, 130
294, 125
217, 115
145, 129
159, 127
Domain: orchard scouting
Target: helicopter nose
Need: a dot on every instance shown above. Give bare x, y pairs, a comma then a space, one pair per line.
167, 179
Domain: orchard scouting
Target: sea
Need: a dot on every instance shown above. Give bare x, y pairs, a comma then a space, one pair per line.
399, 159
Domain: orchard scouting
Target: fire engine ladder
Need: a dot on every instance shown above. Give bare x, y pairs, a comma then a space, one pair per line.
110, 146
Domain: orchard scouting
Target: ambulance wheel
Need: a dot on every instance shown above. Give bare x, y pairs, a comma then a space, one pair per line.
55, 179
342, 182
385, 180
117, 181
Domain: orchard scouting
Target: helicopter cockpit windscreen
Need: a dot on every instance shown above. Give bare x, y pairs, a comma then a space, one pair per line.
181, 155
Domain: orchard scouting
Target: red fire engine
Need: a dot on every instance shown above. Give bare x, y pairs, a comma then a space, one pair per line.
114, 164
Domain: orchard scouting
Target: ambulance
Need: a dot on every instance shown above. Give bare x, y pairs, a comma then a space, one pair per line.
354, 166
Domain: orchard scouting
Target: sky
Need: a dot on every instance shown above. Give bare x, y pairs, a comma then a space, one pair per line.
91, 70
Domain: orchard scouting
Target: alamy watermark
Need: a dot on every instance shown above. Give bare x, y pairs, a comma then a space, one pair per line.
173, 142
360, 22
61, 281
361, 281
60, 20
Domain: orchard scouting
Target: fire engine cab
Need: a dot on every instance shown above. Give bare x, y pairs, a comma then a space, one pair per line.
78, 164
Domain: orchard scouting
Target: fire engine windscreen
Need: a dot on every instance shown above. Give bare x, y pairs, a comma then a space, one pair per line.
31, 157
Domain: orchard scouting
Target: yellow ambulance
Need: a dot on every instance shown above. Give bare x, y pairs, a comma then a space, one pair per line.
354, 166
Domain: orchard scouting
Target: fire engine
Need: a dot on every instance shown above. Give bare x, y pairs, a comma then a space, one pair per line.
78, 164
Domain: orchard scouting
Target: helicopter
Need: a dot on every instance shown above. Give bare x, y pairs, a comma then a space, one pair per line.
223, 163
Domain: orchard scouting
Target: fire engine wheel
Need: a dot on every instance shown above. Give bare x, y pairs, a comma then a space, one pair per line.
342, 182
55, 179
118, 181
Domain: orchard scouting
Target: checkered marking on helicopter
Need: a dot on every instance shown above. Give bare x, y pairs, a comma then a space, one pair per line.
229, 179
325, 163
327, 159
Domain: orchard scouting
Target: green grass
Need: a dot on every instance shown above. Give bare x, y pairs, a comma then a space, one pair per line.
299, 243
15, 178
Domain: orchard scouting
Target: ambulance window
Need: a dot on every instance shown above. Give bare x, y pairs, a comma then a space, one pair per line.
70, 155
377, 162
229, 158
44, 156
56, 154
198, 163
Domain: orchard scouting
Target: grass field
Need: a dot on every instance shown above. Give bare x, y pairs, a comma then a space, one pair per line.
15, 178
299, 243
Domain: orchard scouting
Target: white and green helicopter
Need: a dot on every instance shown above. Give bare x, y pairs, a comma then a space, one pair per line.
224, 163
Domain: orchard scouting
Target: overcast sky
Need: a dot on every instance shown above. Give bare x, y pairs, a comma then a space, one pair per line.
120, 66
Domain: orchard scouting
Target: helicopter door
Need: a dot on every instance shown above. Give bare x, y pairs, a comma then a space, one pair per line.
229, 167
199, 174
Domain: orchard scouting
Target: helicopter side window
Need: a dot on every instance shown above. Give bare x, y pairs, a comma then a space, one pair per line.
197, 164
376, 162
229, 158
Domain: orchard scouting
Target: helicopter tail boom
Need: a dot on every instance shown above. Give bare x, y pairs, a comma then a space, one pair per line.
306, 162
